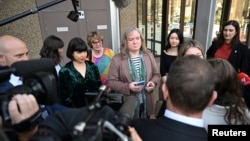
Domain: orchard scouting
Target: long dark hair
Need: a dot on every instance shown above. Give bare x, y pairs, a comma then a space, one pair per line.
50, 48
228, 88
236, 39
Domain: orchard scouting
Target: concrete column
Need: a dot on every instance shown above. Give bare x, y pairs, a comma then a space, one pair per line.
204, 22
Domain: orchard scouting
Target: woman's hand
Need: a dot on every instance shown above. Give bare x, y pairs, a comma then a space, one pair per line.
150, 86
134, 88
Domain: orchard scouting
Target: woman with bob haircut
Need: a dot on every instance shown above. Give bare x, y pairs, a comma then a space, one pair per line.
78, 76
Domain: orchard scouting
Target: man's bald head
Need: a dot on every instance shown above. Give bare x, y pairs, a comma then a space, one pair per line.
12, 49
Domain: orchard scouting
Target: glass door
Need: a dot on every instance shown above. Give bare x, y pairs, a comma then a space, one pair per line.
232, 10
181, 14
150, 23
157, 17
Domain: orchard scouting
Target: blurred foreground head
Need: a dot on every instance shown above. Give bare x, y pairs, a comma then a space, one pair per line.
190, 84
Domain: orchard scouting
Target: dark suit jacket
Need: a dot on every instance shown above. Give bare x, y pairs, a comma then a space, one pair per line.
4, 86
166, 129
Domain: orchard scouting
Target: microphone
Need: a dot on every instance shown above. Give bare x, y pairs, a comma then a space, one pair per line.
28, 67
96, 103
126, 114
79, 128
129, 106
244, 79
122, 3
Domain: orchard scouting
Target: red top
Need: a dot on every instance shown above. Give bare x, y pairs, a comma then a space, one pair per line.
223, 52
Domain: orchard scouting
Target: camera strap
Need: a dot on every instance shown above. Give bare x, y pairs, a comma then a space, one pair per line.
29, 123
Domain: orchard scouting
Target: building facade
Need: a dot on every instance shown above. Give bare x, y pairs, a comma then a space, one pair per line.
199, 19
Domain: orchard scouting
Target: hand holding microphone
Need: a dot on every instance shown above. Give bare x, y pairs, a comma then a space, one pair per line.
244, 78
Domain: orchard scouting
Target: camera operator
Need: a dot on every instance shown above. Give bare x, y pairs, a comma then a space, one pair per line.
12, 50
22, 109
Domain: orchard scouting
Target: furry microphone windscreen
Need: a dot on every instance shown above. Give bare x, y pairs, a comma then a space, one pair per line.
122, 3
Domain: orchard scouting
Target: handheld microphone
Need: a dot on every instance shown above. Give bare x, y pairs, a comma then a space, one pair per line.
28, 67
126, 114
244, 78
129, 106
79, 128
96, 101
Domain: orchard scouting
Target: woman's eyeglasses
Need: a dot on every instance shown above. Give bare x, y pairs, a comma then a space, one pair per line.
97, 42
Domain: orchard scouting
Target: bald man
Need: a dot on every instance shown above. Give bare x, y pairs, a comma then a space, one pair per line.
21, 106
12, 50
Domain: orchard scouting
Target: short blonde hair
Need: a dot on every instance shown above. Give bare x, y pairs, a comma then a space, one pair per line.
94, 35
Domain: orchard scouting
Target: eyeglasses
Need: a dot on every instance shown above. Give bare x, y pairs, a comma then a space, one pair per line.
95, 43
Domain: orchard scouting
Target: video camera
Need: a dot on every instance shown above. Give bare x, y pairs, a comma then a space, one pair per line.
39, 79
103, 129
96, 122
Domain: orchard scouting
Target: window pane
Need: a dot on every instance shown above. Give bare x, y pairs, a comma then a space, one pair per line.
174, 14
158, 26
141, 15
217, 18
240, 11
189, 18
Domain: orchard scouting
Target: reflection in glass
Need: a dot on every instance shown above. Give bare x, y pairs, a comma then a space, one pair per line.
217, 18
182, 18
189, 18
240, 12
174, 12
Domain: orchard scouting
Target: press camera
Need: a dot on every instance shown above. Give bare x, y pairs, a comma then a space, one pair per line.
95, 122
38, 80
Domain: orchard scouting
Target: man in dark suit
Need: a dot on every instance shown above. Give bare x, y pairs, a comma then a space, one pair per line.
188, 90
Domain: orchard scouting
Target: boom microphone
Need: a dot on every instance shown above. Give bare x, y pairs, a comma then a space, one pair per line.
28, 67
